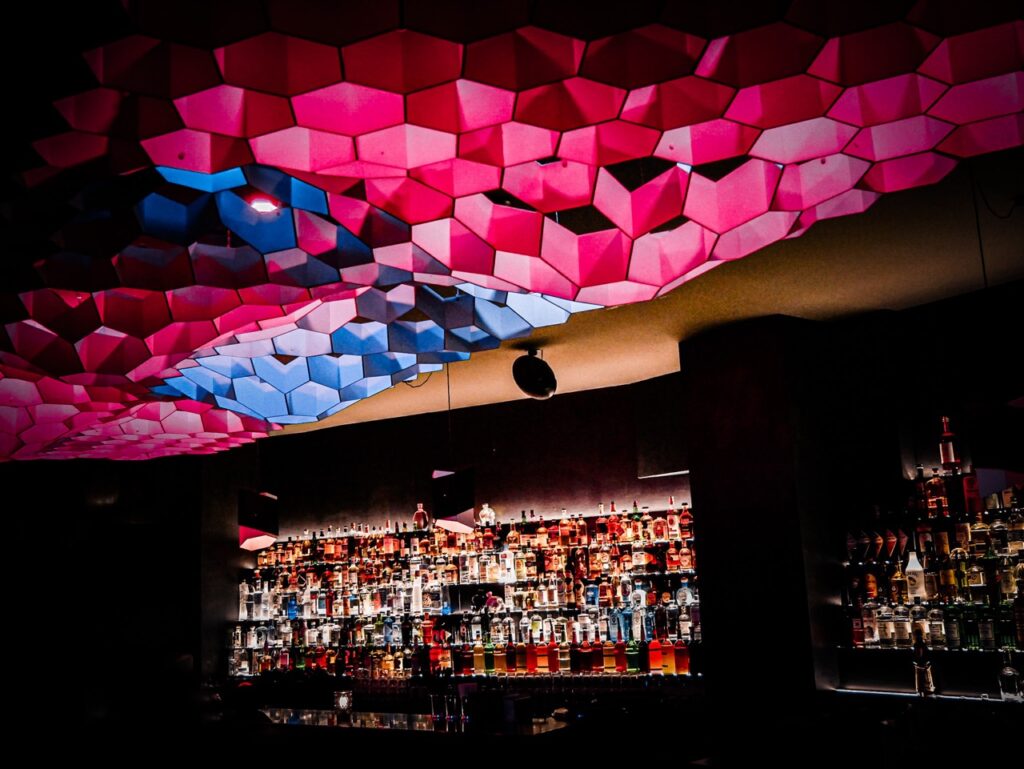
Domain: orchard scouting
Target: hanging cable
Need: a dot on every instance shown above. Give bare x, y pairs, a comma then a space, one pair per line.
418, 386
977, 225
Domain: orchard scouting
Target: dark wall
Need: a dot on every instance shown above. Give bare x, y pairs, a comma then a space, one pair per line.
106, 559
574, 451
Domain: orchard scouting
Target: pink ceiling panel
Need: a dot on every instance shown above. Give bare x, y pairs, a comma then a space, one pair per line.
759, 55
645, 208
552, 186
902, 137
734, 199
608, 143
506, 228
782, 101
569, 104
977, 55
524, 58
886, 100
994, 96
348, 108
458, 177
406, 146
679, 102
754, 235
234, 111
508, 144
279, 64
912, 171
641, 56
587, 260
402, 61
802, 141
199, 151
873, 54
302, 148
706, 142
659, 258
814, 181
533, 274
407, 199
998, 133
460, 106
454, 245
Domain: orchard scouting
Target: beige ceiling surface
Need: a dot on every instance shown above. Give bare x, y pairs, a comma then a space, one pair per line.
909, 248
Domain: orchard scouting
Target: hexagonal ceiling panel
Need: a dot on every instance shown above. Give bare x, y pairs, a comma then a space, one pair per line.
270, 222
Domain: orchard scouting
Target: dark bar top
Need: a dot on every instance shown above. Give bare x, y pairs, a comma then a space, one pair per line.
407, 722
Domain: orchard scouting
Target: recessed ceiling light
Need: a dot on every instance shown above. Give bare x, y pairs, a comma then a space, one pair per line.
262, 205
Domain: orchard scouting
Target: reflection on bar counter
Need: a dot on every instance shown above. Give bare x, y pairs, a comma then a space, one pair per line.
610, 593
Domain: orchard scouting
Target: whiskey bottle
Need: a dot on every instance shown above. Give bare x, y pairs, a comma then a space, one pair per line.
924, 684
1009, 680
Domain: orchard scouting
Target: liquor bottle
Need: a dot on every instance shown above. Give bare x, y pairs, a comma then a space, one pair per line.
869, 623
952, 627
986, 626
886, 626
654, 656
936, 628
1009, 680
914, 576
420, 519
924, 684
919, 617
672, 520
632, 657
1018, 611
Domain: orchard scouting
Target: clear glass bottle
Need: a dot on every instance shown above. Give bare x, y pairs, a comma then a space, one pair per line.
1009, 680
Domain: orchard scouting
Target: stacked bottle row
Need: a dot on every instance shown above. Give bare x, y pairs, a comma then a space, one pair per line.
594, 581
947, 569
645, 640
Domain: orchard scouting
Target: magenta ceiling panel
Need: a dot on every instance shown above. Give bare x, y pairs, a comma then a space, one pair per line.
322, 203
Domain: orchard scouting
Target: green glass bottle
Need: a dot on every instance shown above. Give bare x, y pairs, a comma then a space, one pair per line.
632, 657
969, 626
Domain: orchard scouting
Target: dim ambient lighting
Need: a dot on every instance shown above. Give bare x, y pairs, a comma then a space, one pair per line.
263, 205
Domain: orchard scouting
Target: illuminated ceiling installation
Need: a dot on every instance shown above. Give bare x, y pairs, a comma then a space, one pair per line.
273, 226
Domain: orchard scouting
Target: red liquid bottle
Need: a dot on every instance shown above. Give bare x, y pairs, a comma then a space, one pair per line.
531, 658
682, 652
654, 655
620, 656
552, 652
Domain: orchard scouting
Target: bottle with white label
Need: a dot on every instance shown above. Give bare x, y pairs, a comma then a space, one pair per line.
901, 626
915, 577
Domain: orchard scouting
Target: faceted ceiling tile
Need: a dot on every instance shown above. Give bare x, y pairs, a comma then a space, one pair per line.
675, 103
885, 100
460, 106
508, 144
552, 186
782, 101
279, 64
523, 59
303, 149
736, 198
706, 142
902, 137
994, 96
977, 55
873, 54
348, 108
233, 111
402, 61
912, 171
641, 56
569, 104
801, 141
759, 55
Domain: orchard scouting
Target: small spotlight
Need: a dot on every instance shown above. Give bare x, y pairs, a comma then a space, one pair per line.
263, 205
534, 376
